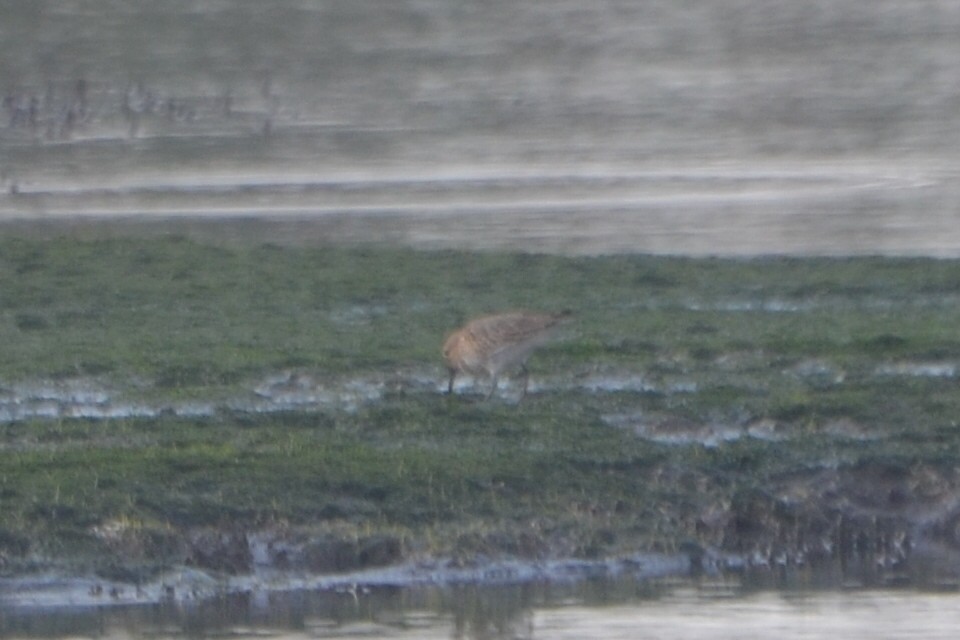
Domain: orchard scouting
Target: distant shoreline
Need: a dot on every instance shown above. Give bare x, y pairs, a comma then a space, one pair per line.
560, 233
857, 206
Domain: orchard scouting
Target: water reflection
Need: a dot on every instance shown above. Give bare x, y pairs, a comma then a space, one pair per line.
602, 609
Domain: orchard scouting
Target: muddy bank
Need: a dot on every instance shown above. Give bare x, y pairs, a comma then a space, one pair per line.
887, 520
874, 524
186, 584
896, 516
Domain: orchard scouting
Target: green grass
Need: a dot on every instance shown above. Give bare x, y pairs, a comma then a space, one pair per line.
790, 340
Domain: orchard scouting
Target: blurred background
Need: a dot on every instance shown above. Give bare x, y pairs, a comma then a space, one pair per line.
724, 127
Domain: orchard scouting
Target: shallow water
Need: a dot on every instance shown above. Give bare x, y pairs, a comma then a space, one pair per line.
296, 390
601, 610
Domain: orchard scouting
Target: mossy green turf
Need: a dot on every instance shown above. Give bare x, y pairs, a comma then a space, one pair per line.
187, 319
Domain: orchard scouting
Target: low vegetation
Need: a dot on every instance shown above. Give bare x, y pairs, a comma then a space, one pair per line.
693, 401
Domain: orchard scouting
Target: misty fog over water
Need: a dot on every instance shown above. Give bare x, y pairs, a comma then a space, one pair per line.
732, 127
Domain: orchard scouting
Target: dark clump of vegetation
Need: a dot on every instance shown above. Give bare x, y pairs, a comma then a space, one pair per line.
741, 404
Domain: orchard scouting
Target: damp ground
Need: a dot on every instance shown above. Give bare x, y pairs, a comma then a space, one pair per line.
182, 417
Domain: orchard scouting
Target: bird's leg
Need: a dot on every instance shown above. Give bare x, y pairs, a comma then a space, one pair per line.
453, 374
526, 380
493, 388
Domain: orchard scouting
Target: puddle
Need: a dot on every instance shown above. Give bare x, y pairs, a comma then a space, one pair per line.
667, 429
818, 370
283, 391
770, 306
677, 431
918, 369
288, 390
299, 390
609, 383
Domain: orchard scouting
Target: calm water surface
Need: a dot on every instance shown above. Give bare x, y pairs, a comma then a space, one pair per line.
601, 611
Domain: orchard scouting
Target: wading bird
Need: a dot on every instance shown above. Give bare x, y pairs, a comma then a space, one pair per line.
491, 345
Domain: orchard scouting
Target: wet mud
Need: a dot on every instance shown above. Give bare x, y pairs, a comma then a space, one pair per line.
887, 522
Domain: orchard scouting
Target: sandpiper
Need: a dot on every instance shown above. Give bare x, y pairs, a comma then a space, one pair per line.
490, 345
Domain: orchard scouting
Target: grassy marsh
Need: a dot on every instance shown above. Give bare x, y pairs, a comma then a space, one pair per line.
803, 366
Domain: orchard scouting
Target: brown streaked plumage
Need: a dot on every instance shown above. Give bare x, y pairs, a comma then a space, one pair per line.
492, 344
